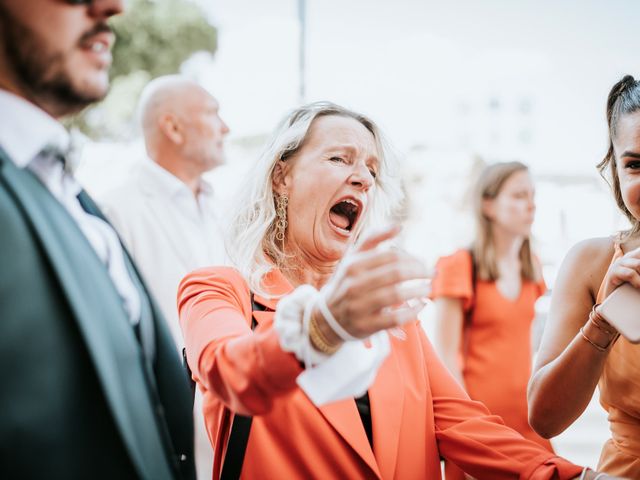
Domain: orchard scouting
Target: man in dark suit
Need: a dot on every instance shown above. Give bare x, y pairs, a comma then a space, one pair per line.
90, 381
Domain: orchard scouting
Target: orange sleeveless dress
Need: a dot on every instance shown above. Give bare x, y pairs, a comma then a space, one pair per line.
496, 361
620, 396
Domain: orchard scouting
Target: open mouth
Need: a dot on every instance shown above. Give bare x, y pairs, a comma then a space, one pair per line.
99, 47
344, 215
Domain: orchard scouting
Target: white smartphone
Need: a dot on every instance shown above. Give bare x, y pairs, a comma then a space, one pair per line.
622, 310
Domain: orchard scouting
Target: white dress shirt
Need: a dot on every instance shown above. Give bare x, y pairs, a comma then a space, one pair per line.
25, 132
168, 230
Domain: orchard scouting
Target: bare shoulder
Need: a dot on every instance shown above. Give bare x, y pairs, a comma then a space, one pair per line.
574, 293
602, 245
588, 261
592, 252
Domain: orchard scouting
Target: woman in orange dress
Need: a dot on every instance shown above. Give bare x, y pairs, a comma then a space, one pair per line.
325, 404
485, 299
579, 349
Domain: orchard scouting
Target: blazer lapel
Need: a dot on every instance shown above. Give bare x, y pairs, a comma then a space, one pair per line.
343, 415
345, 419
387, 407
146, 321
386, 396
101, 320
162, 360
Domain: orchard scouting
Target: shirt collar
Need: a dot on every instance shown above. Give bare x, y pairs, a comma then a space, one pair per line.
26, 129
206, 190
167, 183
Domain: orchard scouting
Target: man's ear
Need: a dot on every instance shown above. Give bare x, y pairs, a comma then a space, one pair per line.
170, 127
280, 179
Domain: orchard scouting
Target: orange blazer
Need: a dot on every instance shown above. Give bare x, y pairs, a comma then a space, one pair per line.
419, 412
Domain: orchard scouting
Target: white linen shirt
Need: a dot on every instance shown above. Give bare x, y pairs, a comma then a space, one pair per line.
25, 131
168, 230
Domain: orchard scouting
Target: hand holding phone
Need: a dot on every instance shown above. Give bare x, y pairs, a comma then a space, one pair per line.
622, 310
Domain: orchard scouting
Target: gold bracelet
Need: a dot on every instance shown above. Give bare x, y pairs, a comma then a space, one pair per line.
597, 319
318, 339
595, 345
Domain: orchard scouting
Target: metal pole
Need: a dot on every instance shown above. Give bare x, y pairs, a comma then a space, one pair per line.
302, 15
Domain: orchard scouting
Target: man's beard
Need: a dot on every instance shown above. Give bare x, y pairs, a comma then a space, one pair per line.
40, 71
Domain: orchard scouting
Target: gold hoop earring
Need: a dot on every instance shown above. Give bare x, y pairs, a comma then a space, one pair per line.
282, 201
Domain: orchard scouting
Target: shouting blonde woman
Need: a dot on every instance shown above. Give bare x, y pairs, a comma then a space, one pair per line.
316, 290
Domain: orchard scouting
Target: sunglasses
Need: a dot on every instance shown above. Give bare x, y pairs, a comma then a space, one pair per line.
82, 2
87, 3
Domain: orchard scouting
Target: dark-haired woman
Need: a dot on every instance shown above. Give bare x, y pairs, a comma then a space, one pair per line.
579, 349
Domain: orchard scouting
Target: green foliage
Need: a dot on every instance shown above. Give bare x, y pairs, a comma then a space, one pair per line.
154, 38
157, 36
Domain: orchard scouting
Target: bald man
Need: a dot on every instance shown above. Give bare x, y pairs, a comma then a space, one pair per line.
166, 213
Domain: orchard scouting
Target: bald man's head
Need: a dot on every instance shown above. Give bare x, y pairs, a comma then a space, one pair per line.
181, 125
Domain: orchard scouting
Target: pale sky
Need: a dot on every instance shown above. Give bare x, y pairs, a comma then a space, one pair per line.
413, 65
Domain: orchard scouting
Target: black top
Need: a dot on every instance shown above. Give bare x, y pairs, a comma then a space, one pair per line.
364, 409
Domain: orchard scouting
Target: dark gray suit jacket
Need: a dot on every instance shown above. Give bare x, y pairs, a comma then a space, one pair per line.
78, 397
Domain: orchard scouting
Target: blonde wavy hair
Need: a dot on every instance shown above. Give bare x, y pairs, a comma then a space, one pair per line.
251, 242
